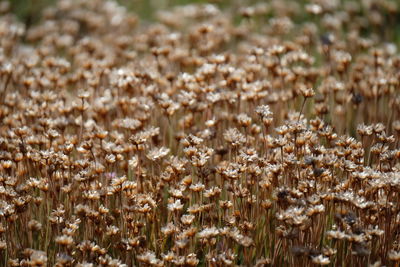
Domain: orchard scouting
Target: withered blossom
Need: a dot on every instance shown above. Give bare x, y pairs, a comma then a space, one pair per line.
157, 153
175, 206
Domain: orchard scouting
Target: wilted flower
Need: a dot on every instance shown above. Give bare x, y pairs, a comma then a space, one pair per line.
157, 153
208, 232
175, 206
234, 137
321, 260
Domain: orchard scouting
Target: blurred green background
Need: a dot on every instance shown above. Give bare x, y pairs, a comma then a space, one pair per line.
28, 11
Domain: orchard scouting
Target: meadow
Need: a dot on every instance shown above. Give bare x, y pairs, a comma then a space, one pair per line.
224, 133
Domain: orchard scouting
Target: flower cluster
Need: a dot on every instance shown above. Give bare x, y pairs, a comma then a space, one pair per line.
261, 136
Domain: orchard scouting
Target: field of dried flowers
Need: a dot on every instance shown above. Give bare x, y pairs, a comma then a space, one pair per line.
261, 136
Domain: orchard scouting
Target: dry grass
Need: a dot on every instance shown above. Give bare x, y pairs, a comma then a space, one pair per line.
200, 139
